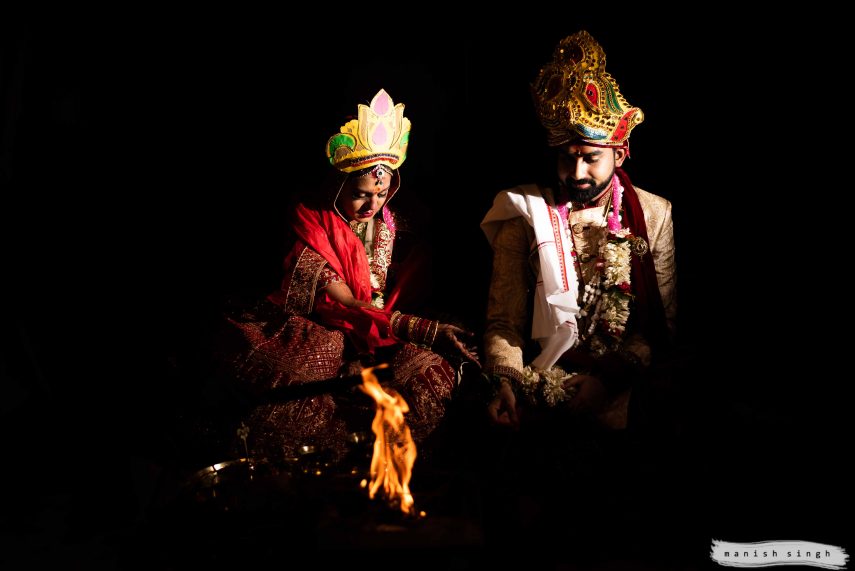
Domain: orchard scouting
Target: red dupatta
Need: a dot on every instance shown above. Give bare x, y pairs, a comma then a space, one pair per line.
322, 229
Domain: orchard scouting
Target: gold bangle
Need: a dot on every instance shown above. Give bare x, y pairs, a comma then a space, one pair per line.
393, 322
432, 337
410, 325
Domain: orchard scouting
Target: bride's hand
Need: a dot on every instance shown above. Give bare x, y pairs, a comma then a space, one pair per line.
449, 340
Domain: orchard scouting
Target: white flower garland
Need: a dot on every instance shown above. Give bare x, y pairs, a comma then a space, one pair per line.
547, 385
614, 303
605, 300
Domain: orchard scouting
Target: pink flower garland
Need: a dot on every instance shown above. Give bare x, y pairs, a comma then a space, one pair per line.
617, 198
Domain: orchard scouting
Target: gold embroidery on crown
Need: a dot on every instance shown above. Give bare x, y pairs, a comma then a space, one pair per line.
380, 135
575, 98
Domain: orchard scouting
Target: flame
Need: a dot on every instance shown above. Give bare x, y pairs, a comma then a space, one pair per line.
394, 448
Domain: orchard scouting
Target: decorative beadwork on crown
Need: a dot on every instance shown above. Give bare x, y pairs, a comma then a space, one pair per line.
379, 136
576, 99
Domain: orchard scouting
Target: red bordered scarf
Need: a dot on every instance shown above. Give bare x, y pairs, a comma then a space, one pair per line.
322, 229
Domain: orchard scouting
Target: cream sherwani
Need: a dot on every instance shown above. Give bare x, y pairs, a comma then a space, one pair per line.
516, 264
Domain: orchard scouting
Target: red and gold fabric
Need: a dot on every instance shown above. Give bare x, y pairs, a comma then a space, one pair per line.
300, 335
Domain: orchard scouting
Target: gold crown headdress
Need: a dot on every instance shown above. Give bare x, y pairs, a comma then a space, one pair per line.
379, 136
576, 99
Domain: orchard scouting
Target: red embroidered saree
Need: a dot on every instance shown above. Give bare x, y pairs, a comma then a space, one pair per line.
300, 335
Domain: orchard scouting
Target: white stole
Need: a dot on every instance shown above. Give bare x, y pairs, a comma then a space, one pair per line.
555, 306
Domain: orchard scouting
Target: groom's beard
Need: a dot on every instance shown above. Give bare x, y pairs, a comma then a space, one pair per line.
577, 191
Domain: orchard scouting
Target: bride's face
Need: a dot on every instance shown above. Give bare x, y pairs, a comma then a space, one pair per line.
364, 195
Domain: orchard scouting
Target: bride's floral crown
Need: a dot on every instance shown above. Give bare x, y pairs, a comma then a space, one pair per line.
379, 136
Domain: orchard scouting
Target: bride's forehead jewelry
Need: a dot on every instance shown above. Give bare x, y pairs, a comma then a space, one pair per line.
377, 172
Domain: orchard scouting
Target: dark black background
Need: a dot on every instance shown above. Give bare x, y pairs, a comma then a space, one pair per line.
147, 161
